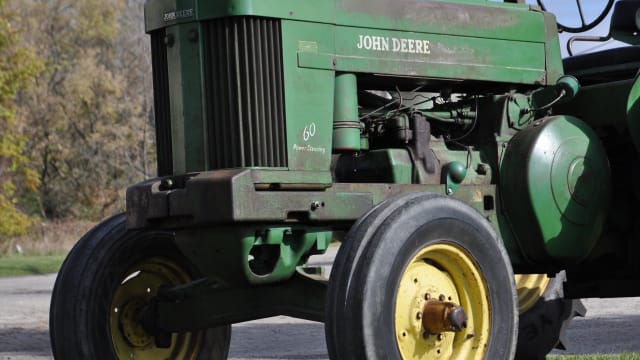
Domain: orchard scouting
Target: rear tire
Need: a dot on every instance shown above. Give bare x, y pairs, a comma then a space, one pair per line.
106, 279
542, 325
407, 247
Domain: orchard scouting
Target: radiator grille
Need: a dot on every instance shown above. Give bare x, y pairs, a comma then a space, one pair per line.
244, 93
161, 103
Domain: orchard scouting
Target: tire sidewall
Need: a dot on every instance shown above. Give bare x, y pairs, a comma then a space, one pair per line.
89, 278
345, 268
108, 268
399, 238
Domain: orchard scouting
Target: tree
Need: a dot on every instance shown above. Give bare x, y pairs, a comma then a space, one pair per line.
89, 113
18, 67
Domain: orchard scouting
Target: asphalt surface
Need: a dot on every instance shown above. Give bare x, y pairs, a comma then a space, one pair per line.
611, 326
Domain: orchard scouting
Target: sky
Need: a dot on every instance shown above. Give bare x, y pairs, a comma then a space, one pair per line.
566, 12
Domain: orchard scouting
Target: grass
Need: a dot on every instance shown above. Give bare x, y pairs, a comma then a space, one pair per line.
46, 238
624, 356
14, 265
42, 250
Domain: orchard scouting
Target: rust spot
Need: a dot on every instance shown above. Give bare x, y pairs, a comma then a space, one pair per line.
444, 15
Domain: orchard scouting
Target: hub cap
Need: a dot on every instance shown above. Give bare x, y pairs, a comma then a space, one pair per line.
138, 287
443, 276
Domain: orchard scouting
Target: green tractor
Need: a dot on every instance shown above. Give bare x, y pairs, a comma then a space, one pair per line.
476, 184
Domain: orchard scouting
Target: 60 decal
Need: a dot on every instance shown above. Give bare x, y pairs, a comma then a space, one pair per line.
309, 131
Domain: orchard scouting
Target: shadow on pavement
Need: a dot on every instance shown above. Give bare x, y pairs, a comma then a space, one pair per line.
611, 334
292, 341
25, 341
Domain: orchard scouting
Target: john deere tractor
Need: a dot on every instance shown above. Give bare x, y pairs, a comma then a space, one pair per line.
475, 183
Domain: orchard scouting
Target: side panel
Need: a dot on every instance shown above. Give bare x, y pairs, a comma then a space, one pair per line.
427, 55
185, 98
309, 96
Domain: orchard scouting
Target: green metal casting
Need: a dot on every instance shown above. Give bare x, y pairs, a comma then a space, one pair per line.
239, 256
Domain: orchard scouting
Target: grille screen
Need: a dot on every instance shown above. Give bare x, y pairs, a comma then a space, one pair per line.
243, 87
244, 101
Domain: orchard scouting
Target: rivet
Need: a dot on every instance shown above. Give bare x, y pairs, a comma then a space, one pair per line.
193, 35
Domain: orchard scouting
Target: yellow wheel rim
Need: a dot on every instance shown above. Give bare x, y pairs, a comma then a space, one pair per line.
139, 285
442, 271
530, 288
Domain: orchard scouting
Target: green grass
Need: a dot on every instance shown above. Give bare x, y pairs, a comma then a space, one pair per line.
625, 356
14, 265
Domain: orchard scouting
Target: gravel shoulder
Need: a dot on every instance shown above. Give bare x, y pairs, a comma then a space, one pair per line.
611, 326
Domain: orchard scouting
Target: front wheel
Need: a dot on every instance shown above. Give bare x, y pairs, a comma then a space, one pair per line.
422, 277
105, 283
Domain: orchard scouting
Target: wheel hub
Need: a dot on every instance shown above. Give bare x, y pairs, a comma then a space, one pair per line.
441, 306
439, 317
139, 286
132, 327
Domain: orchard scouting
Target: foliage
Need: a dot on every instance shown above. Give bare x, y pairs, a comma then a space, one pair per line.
18, 65
46, 237
89, 115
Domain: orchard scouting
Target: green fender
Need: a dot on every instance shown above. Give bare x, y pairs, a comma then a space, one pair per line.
633, 112
555, 184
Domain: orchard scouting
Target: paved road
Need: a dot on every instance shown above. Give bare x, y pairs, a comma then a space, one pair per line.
611, 326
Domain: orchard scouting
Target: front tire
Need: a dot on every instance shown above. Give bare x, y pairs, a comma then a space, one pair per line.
410, 249
106, 280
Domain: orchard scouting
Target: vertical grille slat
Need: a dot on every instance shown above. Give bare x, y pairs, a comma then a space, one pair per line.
243, 91
243, 94
161, 103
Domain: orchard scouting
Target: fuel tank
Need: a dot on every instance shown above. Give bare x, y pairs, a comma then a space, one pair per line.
555, 189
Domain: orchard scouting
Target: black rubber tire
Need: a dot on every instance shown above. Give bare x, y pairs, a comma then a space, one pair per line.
81, 299
541, 328
366, 272
346, 262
